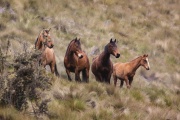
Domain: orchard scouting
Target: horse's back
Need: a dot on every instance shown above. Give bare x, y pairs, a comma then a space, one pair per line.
118, 66
120, 69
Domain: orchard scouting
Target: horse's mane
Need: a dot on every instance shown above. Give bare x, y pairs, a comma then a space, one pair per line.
135, 58
69, 47
40, 33
38, 37
106, 47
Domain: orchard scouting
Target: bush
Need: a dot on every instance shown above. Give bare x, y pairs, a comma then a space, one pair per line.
28, 77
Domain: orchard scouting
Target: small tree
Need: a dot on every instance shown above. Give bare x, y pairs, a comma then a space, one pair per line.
28, 77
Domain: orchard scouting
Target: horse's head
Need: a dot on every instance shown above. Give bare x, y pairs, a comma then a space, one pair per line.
48, 42
112, 48
44, 38
76, 48
47, 38
46, 32
145, 62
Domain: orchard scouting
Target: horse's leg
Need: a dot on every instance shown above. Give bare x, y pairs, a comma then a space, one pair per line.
44, 64
68, 74
56, 71
108, 78
85, 75
130, 80
77, 78
52, 66
99, 77
121, 84
127, 82
115, 80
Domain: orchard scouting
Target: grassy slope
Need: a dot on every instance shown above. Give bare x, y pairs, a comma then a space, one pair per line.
151, 27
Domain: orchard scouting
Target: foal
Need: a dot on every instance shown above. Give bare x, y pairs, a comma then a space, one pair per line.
102, 66
126, 71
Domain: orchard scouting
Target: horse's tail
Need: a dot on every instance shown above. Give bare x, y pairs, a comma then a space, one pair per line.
56, 71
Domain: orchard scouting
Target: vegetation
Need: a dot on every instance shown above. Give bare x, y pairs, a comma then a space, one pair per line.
141, 27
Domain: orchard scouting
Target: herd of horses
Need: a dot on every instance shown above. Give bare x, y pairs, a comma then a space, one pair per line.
77, 61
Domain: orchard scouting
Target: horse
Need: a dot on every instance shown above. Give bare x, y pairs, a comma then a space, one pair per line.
126, 71
45, 44
43, 35
76, 61
102, 67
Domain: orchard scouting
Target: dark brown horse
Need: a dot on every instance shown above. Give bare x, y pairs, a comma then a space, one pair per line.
76, 60
102, 66
126, 71
41, 39
45, 44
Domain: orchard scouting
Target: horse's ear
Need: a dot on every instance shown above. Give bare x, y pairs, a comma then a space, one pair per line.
111, 40
75, 39
49, 29
115, 40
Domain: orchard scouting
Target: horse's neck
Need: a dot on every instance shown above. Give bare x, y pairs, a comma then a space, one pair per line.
69, 54
105, 57
135, 64
39, 44
43, 47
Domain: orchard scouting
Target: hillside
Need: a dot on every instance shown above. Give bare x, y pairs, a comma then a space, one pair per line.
140, 27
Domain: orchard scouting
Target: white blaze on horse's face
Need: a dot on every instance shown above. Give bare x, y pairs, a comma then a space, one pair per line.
148, 67
79, 54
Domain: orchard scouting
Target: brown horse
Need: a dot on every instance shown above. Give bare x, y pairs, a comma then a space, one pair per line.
41, 39
126, 71
45, 45
102, 66
76, 60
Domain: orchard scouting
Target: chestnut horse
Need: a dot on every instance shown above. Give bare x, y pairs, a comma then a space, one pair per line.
45, 45
76, 60
126, 71
43, 35
102, 66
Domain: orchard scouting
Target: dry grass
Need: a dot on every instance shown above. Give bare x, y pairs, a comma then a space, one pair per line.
10, 113
151, 27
